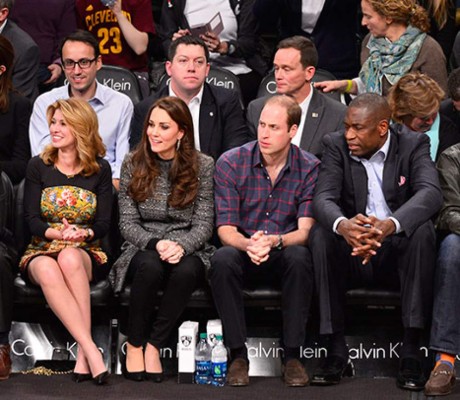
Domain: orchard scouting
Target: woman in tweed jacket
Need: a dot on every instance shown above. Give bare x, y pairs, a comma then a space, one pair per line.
166, 217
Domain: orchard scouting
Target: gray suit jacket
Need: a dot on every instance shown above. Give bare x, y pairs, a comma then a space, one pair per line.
324, 115
26, 61
410, 182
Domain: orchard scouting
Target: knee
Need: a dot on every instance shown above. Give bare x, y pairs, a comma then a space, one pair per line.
148, 266
424, 235
449, 255
188, 270
70, 260
226, 262
298, 259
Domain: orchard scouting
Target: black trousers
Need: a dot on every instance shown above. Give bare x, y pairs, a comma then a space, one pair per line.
148, 274
405, 263
289, 269
6, 289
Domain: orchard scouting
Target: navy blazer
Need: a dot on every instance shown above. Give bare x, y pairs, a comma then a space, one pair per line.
335, 33
26, 60
410, 182
324, 115
222, 124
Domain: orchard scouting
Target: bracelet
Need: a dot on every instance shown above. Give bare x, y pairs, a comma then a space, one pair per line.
349, 86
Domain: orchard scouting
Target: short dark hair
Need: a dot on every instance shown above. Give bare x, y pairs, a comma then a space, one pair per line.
374, 103
187, 40
7, 4
453, 85
293, 110
81, 36
308, 52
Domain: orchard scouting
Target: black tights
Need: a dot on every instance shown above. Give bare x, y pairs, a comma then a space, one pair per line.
148, 274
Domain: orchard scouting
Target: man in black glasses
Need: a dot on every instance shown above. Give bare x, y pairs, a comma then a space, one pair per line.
81, 61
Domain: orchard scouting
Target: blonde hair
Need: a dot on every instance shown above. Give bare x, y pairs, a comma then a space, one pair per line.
83, 123
416, 95
439, 9
406, 12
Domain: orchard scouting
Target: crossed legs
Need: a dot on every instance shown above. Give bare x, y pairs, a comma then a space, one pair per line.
65, 284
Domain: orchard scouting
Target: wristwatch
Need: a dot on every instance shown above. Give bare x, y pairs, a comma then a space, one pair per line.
279, 245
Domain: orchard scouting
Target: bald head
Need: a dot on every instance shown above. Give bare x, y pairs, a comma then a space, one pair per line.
293, 110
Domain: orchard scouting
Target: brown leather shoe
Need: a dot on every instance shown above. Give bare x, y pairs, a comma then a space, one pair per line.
295, 374
238, 373
441, 382
5, 361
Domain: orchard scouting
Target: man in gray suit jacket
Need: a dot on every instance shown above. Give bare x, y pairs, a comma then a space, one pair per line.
27, 54
376, 194
295, 63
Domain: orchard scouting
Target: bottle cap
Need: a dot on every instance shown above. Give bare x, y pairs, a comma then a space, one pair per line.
219, 337
203, 335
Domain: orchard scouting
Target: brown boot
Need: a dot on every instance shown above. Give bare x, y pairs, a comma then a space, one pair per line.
238, 373
5, 361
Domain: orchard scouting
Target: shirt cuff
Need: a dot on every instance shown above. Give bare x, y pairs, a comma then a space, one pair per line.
336, 224
397, 224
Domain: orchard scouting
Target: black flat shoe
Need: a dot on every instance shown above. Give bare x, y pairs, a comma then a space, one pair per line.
331, 371
102, 378
410, 374
78, 378
156, 377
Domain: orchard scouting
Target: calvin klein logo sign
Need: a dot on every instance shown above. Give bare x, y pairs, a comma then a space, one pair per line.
213, 80
117, 85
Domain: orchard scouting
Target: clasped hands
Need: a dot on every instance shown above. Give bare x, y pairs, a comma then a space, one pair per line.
170, 251
259, 247
72, 233
365, 234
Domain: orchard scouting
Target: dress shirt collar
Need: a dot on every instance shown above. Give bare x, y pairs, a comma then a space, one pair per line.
258, 162
197, 98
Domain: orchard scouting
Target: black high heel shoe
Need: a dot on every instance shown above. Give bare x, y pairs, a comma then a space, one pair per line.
156, 377
102, 378
78, 378
137, 376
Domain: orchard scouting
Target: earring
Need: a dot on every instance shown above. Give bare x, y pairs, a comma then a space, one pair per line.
178, 144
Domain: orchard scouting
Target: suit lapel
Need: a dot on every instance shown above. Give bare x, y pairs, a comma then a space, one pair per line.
389, 171
208, 118
312, 120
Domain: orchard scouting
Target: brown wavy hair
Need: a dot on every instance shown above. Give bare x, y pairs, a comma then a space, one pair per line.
6, 85
183, 174
406, 12
415, 95
83, 123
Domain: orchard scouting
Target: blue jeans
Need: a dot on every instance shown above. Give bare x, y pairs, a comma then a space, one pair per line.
445, 331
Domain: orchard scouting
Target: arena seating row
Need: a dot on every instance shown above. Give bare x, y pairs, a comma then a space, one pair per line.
124, 81
101, 294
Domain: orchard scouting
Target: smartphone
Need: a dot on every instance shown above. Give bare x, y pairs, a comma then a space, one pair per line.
108, 3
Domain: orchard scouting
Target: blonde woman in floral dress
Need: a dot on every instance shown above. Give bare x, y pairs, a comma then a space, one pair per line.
68, 206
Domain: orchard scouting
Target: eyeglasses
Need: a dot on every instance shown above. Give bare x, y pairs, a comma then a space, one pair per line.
83, 63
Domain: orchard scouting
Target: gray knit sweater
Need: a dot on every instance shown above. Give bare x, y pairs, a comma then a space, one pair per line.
191, 226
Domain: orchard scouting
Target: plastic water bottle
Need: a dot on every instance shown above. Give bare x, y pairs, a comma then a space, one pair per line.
203, 361
219, 363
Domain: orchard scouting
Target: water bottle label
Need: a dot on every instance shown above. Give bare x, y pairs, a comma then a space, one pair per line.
219, 369
203, 367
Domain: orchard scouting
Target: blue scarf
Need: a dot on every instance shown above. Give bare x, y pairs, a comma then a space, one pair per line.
390, 60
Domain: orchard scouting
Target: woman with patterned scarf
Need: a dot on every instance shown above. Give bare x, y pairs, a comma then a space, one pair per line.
397, 44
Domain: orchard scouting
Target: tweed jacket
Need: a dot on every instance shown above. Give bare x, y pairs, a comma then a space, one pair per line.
191, 226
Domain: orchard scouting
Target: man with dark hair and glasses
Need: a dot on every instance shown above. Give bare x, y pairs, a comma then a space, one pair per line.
81, 61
